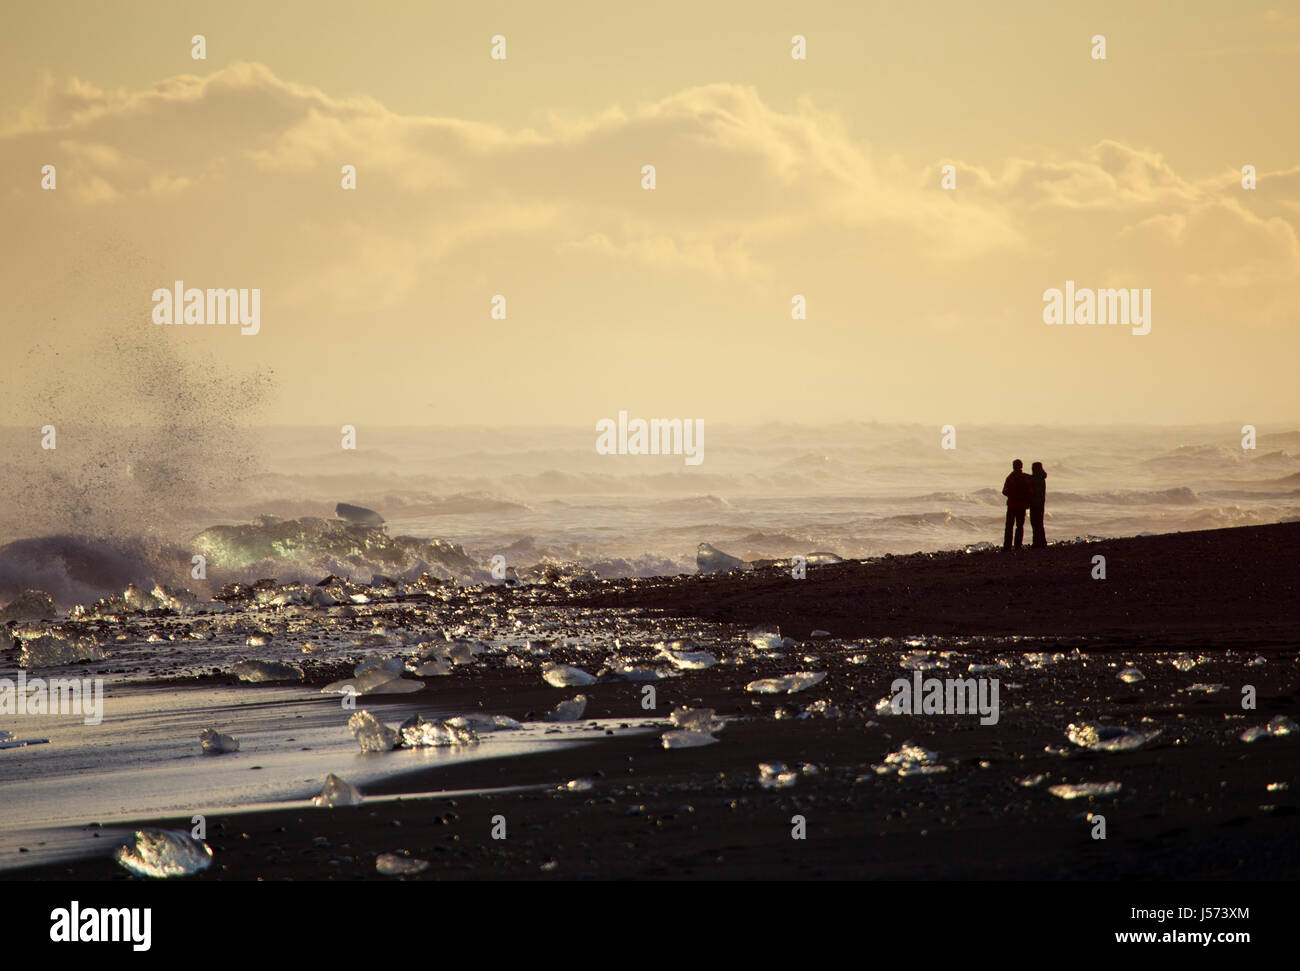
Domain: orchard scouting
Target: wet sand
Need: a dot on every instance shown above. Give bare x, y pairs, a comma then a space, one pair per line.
1194, 802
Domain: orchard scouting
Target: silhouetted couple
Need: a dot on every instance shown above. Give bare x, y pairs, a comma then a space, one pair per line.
1025, 492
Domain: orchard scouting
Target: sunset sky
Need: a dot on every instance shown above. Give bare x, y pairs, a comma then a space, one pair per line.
776, 177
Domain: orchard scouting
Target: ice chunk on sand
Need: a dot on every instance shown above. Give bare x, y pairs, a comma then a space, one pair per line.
1279, 725
29, 605
767, 640
786, 685
372, 734
823, 559
164, 853
337, 792
393, 666
1085, 790
375, 681
52, 650
418, 733
1107, 738
566, 676
694, 728
358, 515
481, 723
686, 739
1131, 676
393, 865
688, 660
214, 743
710, 559
775, 775
266, 671
433, 669
696, 720
568, 711
910, 760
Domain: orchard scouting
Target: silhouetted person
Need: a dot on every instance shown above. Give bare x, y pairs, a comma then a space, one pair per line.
1018, 491
1038, 482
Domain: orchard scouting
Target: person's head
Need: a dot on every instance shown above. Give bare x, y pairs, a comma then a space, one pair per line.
1017, 465
1037, 469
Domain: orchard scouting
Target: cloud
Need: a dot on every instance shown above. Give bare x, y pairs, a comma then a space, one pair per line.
233, 179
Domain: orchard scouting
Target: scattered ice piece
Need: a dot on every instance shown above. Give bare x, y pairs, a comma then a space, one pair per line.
1107, 738
766, 640
982, 668
1085, 790
921, 661
710, 559
482, 723
29, 605
1278, 725
577, 785
775, 775
164, 853
1208, 689
433, 669
214, 743
1278, 786
821, 708
1184, 662
686, 739
566, 676
1030, 781
695, 720
52, 650
694, 728
568, 711
418, 733
265, 671
1131, 676
689, 660
372, 734
394, 666
392, 865
1281, 725
1257, 662
337, 792
910, 760
788, 684
375, 681
629, 671
358, 515
885, 706
820, 633
1041, 660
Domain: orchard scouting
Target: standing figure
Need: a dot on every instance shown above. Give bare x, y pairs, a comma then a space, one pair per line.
1039, 483
1018, 491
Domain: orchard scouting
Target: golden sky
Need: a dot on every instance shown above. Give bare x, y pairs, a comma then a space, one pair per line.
775, 177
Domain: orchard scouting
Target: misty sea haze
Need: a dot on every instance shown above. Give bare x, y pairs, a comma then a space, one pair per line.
537, 494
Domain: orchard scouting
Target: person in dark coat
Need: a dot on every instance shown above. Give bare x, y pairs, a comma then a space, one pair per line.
1038, 480
1018, 491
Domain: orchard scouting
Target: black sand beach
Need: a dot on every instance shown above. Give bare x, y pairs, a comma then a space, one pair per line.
1208, 611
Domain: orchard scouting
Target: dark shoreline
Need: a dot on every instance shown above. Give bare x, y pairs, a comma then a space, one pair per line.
1192, 803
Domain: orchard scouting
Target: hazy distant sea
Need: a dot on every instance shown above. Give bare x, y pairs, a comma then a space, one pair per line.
530, 494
